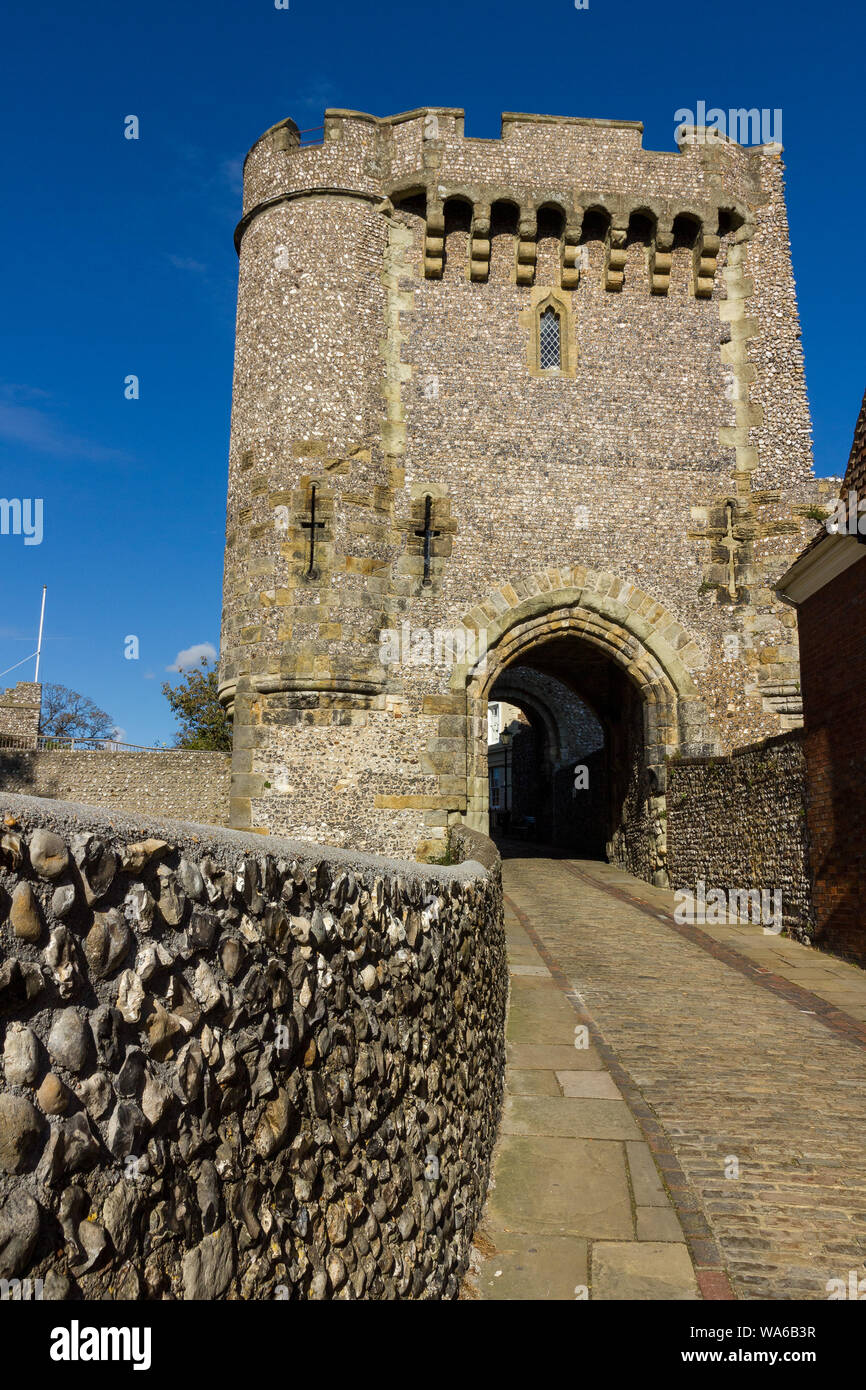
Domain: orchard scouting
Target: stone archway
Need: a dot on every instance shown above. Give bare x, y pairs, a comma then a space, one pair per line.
639, 638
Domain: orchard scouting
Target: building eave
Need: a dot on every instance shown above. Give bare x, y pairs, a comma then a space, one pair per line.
819, 566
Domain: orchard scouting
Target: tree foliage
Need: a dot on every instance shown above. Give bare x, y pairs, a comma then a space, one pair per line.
204, 722
66, 714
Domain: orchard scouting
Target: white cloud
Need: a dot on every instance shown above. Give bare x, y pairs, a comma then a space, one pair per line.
233, 172
191, 656
35, 428
187, 263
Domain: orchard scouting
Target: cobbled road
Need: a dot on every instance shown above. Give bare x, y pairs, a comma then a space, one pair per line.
762, 1106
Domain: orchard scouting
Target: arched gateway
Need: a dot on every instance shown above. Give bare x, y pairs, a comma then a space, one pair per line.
621, 652
517, 422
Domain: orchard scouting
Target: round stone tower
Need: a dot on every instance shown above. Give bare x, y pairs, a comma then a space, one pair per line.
307, 395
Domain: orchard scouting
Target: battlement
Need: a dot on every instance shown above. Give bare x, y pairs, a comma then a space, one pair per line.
592, 176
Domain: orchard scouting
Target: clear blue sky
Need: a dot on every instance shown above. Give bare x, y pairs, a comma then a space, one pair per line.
118, 254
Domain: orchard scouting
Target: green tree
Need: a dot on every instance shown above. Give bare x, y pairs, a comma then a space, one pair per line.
204, 722
66, 714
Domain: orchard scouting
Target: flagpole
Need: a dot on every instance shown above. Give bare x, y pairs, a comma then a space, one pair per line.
39, 642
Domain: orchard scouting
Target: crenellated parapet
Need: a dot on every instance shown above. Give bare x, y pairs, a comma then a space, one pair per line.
614, 191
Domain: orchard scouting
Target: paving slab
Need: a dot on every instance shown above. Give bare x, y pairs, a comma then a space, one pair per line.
646, 1184
641, 1270
657, 1223
558, 1186
568, 1118
553, 1057
596, 1084
533, 1083
539, 1014
534, 1267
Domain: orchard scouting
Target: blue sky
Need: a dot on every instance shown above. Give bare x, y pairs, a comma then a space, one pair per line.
118, 254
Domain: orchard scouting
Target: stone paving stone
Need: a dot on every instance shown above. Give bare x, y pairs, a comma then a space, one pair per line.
539, 981
553, 1057
528, 970
641, 1270
579, 1119
657, 1223
533, 1083
645, 1181
728, 1069
539, 1014
581, 1083
527, 1266
559, 1186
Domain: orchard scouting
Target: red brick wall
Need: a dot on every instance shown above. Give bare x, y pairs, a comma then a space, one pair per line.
833, 665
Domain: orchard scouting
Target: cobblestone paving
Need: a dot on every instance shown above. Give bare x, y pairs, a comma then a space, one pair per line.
739, 1078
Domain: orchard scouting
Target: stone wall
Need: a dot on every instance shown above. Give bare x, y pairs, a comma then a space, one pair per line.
241, 1067
181, 783
740, 822
638, 501
20, 708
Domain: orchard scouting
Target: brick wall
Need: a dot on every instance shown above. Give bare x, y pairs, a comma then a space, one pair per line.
833, 662
188, 785
740, 822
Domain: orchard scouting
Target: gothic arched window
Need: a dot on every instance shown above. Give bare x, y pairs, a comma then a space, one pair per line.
548, 319
549, 353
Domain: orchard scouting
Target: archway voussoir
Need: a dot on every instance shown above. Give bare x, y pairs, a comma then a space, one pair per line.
673, 634
606, 582
495, 605
636, 631
610, 609
693, 656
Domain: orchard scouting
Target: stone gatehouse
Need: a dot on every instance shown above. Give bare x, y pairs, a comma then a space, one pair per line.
528, 403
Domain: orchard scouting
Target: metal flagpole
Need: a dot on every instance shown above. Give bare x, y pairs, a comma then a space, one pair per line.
39, 642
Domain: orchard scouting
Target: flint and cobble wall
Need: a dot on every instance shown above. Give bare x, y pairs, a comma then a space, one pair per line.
241, 1067
739, 822
20, 708
183, 784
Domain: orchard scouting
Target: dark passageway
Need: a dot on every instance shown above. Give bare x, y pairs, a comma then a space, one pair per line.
566, 758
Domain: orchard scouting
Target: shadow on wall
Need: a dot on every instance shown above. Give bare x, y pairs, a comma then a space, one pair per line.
19, 772
183, 783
